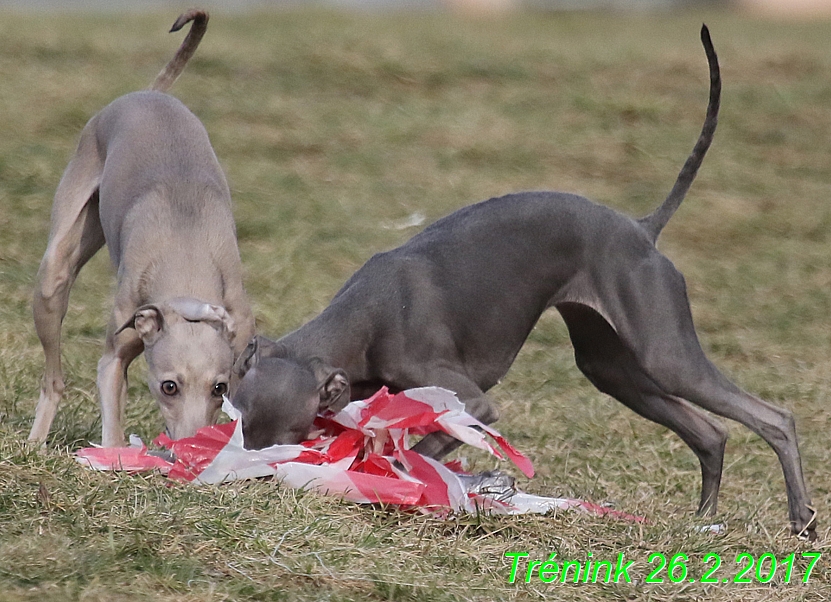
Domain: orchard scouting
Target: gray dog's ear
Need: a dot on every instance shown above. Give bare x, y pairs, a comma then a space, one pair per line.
333, 386
335, 391
148, 322
249, 358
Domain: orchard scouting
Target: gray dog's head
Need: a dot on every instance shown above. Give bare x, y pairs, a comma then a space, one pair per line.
188, 345
279, 397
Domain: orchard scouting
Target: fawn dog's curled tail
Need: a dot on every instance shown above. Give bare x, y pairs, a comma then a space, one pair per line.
174, 68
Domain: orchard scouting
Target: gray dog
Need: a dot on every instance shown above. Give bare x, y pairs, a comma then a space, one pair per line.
145, 181
453, 306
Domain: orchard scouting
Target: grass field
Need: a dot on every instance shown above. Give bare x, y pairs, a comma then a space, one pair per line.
335, 131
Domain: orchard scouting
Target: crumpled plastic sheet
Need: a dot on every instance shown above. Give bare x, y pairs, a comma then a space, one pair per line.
360, 454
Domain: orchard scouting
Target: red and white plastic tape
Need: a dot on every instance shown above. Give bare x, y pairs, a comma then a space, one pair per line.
361, 454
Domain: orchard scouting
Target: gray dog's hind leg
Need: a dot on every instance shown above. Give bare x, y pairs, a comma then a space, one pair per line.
670, 354
649, 317
712, 391
75, 237
614, 370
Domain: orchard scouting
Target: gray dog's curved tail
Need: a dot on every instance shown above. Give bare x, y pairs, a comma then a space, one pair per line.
656, 221
174, 68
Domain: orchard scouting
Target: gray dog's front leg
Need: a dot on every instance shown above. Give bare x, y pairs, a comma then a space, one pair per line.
438, 445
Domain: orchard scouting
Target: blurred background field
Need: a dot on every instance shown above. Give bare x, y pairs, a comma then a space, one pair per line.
339, 132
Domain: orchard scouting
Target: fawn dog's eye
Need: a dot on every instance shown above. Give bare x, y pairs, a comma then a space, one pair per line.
220, 389
170, 388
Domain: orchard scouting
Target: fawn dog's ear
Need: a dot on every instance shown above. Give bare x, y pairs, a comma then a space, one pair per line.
147, 321
150, 320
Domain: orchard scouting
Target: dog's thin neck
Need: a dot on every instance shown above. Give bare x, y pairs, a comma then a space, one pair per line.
323, 338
